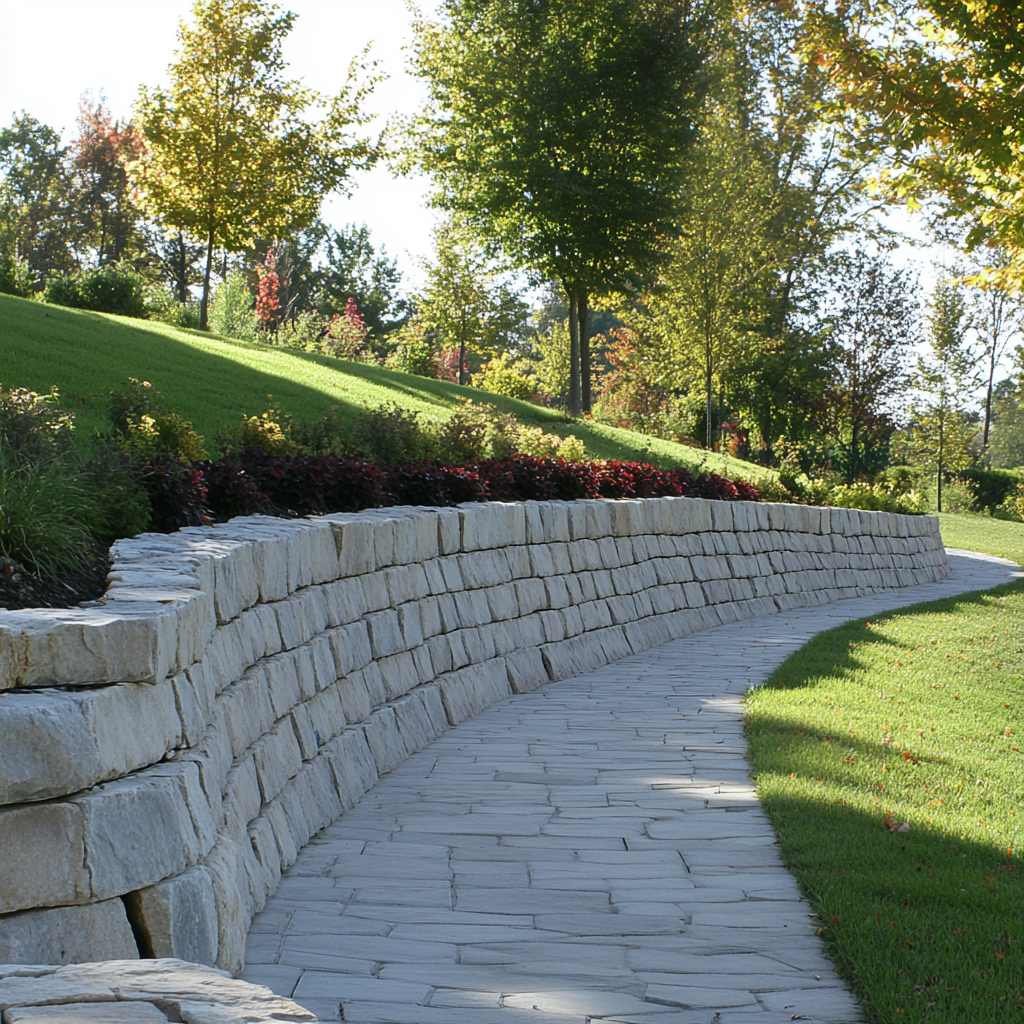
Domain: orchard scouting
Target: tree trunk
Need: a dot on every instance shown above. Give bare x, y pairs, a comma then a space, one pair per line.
709, 398
942, 460
988, 400
462, 361
574, 355
583, 315
181, 270
204, 305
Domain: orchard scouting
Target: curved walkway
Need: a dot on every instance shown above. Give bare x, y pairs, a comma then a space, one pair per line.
591, 851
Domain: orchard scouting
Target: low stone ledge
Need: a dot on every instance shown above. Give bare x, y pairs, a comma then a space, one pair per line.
138, 992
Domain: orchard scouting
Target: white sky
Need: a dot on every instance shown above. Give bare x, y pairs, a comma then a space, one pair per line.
53, 51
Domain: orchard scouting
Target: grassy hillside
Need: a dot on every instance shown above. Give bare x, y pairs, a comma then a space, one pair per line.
214, 381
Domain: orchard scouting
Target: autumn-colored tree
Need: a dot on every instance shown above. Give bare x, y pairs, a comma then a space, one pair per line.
347, 335
268, 289
101, 155
936, 86
234, 149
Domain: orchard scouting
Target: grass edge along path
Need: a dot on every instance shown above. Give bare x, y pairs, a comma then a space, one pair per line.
888, 755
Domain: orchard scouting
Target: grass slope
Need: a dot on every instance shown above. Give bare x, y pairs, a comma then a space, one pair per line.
214, 381
912, 717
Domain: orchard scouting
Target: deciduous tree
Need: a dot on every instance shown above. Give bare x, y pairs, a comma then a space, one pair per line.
234, 149
558, 131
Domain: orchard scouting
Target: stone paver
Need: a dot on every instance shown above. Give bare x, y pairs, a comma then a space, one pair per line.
592, 851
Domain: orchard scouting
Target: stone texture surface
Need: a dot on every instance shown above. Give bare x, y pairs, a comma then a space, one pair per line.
174, 747
137, 992
592, 851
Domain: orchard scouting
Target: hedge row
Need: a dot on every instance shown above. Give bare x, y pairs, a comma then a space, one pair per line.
253, 481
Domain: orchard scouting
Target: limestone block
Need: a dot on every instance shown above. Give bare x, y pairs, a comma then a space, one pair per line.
354, 697
468, 691
501, 600
277, 757
399, 673
526, 669
353, 538
235, 582
43, 862
384, 740
555, 520
235, 905
247, 710
531, 595
305, 732
353, 767
140, 829
350, 646
430, 617
554, 626
471, 608
519, 562
345, 600
133, 1012
178, 917
111, 643
420, 718
385, 633
56, 743
411, 625
64, 935
406, 583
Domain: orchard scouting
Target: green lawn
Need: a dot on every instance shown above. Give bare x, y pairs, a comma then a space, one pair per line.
985, 534
914, 717
213, 381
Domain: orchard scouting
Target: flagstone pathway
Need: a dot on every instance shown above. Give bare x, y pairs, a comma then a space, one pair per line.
592, 851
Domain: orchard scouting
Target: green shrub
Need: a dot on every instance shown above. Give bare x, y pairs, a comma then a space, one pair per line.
414, 351
15, 275
329, 435
536, 442
233, 309
1012, 506
391, 435
474, 432
269, 431
161, 305
876, 498
114, 288
990, 487
304, 331
143, 430
33, 426
48, 516
505, 376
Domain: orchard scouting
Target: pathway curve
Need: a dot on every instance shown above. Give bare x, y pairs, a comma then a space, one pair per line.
590, 851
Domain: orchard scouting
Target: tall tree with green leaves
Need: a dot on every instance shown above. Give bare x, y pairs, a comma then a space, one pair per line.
936, 88
558, 131
941, 428
234, 150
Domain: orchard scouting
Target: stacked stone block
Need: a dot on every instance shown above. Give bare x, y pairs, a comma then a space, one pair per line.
167, 751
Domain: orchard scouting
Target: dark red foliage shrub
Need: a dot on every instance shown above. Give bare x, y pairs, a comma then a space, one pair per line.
427, 483
525, 478
177, 494
636, 480
232, 491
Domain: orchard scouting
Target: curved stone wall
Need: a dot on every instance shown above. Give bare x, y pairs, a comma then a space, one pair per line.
167, 751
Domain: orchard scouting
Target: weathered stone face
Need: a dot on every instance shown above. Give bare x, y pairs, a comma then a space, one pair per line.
167, 752
139, 992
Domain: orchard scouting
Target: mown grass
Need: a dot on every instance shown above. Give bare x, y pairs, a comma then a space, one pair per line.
983, 533
214, 381
888, 754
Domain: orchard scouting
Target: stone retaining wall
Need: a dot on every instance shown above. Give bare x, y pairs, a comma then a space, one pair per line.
166, 752
138, 992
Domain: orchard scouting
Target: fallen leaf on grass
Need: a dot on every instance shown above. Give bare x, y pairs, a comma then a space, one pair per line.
895, 826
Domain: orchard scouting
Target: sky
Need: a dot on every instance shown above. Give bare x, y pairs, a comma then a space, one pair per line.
53, 51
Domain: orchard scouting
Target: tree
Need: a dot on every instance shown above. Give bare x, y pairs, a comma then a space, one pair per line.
936, 87
100, 156
873, 327
558, 131
999, 319
35, 205
233, 151
353, 267
941, 430
464, 305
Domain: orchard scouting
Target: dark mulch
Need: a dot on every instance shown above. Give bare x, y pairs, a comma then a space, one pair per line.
21, 588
